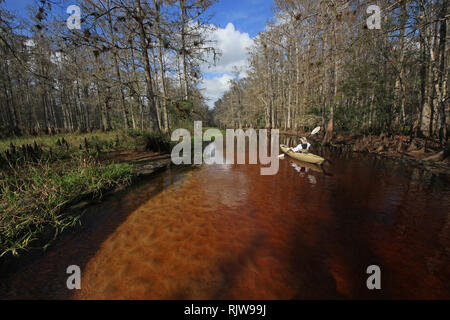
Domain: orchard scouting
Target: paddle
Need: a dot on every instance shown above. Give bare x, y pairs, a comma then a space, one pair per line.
315, 131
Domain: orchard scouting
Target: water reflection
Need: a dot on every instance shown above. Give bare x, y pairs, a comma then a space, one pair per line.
227, 232
297, 165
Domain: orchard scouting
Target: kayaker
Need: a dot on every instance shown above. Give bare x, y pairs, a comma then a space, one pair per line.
304, 145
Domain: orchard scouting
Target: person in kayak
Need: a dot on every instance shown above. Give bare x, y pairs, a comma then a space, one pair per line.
304, 145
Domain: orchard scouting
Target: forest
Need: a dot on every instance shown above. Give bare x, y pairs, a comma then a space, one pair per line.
319, 63
131, 65
136, 65
78, 106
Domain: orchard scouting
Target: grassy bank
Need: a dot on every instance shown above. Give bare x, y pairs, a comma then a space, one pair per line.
41, 176
107, 141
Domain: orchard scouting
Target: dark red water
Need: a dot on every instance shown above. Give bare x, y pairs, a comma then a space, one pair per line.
226, 232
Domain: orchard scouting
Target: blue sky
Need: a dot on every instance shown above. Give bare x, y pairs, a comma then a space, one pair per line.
248, 16
238, 22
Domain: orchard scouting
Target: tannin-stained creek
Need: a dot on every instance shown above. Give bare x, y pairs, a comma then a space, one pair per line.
228, 232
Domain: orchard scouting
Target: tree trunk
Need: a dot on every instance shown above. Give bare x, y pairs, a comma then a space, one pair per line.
162, 81
147, 68
183, 48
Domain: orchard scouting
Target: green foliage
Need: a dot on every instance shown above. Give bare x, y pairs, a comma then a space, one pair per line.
106, 139
43, 175
158, 142
17, 151
184, 113
33, 196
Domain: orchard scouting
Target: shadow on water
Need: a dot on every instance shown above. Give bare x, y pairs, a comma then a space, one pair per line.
392, 215
380, 212
42, 275
228, 232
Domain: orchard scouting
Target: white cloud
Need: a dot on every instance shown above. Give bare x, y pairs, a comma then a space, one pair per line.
214, 88
233, 46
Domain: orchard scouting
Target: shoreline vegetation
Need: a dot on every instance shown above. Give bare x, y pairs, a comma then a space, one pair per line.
43, 177
424, 152
93, 92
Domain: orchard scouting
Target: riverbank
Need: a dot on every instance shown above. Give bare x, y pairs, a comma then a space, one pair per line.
427, 153
46, 181
228, 232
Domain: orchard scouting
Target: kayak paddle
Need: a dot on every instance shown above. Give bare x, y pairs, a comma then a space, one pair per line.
315, 131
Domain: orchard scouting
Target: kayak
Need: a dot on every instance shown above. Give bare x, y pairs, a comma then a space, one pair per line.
304, 156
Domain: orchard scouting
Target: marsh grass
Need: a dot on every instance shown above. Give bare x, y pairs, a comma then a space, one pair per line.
61, 171
110, 140
34, 195
41, 176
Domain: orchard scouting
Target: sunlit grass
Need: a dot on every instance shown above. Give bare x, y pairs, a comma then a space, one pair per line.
75, 140
33, 196
43, 175
35, 189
